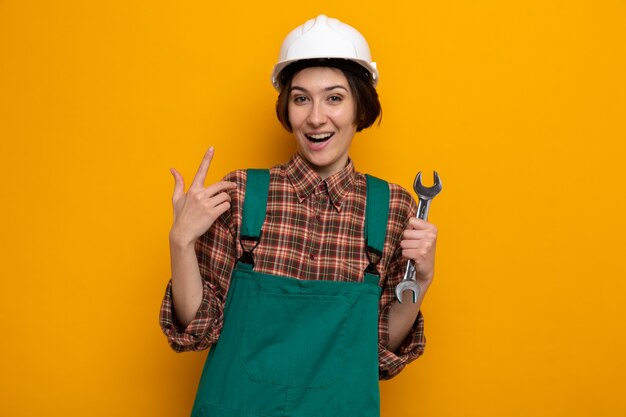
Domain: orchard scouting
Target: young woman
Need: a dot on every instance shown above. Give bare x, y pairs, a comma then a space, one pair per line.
288, 274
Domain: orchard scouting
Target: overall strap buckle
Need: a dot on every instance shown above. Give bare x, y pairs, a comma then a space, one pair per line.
254, 211
376, 217
246, 257
372, 268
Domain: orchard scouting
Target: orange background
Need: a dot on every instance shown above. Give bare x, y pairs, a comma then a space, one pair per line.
519, 106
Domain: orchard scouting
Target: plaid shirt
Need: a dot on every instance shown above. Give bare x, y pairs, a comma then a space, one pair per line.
313, 230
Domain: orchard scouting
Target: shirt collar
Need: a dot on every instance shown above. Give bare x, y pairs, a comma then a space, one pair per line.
305, 180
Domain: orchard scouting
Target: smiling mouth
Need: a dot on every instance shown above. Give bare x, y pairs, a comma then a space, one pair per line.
322, 137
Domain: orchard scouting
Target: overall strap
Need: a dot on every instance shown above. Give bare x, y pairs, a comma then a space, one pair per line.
254, 208
376, 217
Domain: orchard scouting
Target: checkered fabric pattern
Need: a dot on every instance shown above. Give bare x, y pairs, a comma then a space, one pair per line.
313, 230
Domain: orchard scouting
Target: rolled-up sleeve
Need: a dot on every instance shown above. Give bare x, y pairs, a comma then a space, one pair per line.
202, 331
216, 252
391, 363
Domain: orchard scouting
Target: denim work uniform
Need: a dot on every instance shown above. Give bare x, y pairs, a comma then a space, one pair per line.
296, 348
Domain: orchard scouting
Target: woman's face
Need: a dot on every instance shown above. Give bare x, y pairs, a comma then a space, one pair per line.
322, 116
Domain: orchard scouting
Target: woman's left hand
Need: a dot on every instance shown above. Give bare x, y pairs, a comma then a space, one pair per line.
418, 243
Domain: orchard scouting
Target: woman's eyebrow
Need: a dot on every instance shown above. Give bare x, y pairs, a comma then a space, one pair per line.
332, 87
295, 87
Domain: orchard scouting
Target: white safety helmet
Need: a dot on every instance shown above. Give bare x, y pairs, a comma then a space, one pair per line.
323, 38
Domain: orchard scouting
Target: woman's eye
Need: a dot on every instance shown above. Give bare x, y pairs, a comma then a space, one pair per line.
334, 99
299, 99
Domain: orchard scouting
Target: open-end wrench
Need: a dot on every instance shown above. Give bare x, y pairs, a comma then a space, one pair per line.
425, 194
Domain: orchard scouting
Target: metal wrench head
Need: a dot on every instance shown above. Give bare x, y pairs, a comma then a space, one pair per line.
427, 193
407, 285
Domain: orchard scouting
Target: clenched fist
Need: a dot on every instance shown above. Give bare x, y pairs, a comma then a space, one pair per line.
418, 243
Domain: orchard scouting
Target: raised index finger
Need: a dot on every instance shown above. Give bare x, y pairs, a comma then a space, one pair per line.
198, 180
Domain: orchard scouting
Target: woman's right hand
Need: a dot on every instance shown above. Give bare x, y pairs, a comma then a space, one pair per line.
196, 210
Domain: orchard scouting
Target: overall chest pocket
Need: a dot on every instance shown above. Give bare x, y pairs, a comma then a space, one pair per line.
296, 339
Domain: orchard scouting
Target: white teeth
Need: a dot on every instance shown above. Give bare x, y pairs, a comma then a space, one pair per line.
320, 136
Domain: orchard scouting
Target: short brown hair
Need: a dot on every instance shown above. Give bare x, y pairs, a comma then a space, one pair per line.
368, 107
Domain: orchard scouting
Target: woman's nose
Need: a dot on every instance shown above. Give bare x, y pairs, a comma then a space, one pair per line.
317, 115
